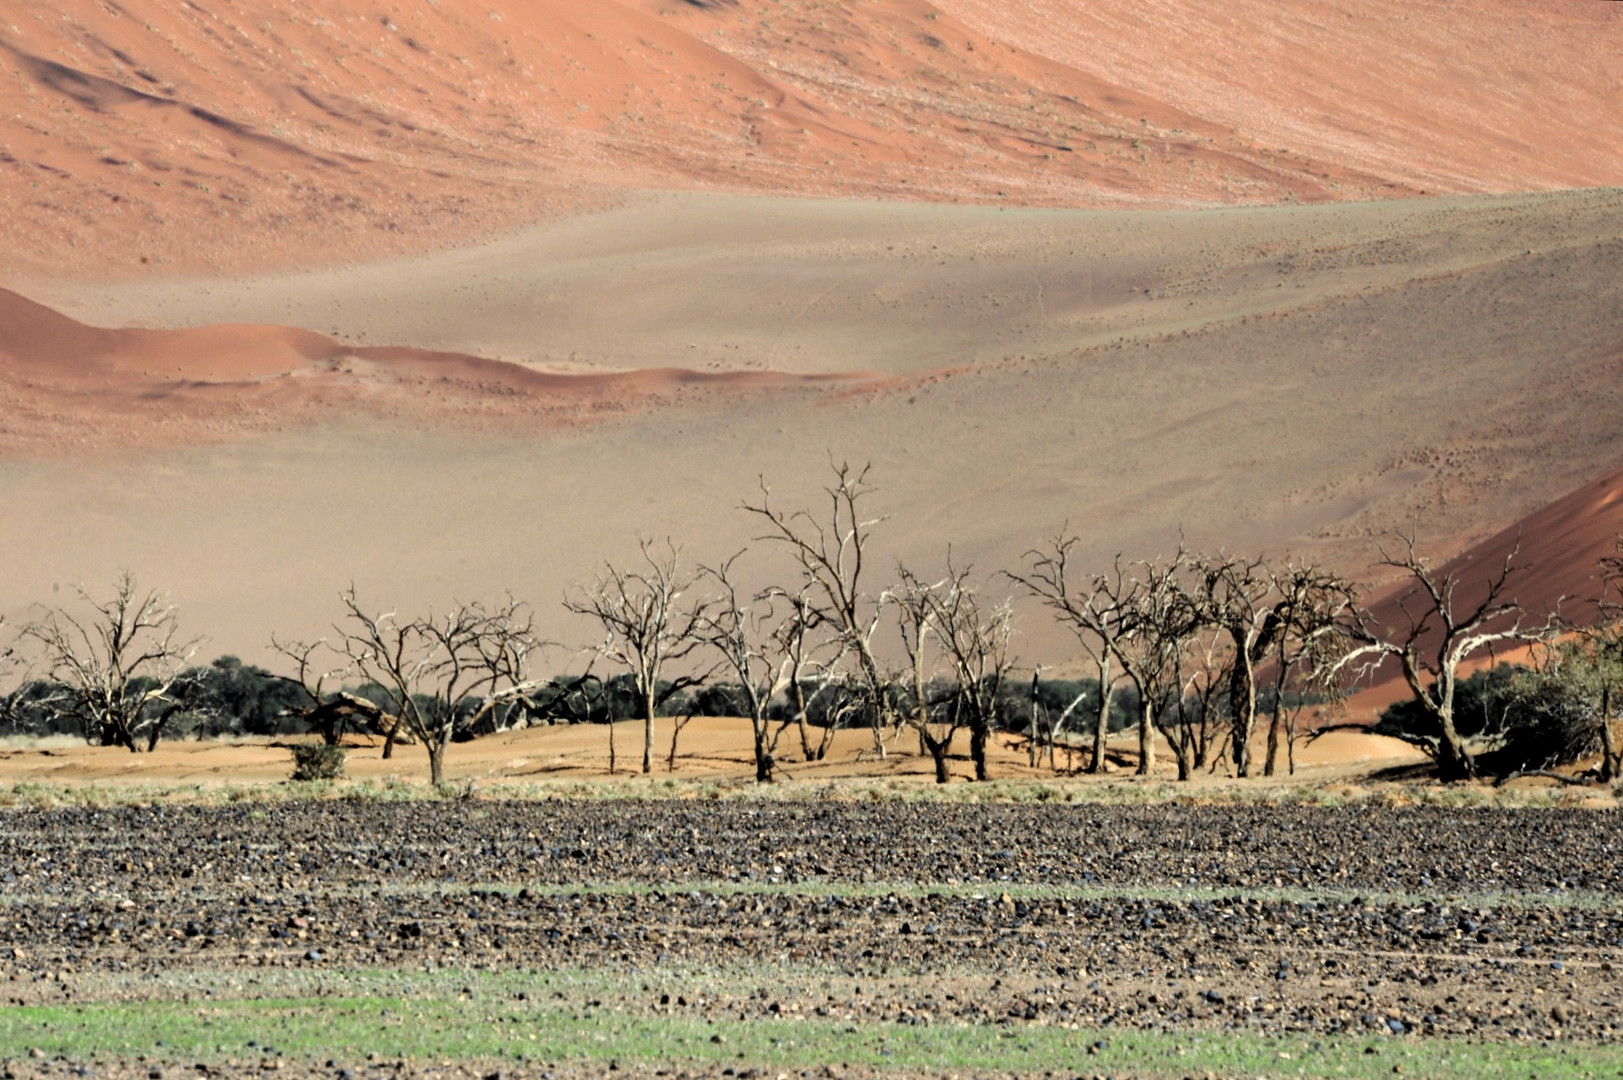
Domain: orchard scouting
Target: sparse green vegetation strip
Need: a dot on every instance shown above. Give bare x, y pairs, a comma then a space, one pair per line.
577, 1017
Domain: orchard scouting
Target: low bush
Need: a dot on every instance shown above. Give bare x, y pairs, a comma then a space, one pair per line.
318, 761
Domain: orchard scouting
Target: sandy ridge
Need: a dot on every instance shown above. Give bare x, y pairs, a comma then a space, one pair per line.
66, 383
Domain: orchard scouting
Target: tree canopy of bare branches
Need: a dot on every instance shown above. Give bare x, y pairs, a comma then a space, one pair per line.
1239, 597
1307, 647
120, 664
763, 662
650, 625
831, 553
975, 637
1601, 644
913, 601
1436, 637
1090, 606
1158, 619
441, 670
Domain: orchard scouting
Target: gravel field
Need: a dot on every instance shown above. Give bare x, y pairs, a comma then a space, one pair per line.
1402, 923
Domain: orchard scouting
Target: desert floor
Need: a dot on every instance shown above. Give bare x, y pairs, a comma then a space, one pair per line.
708, 748
824, 938
1299, 379
448, 301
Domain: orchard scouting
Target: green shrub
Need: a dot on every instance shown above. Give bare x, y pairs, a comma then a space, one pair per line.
1549, 721
318, 761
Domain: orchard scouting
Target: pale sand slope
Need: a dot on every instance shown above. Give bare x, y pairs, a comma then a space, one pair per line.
708, 748
1459, 362
825, 286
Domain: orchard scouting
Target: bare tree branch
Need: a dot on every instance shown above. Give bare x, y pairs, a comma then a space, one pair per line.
120, 664
440, 671
1090, 606
832, 553
647, 628
1436, 640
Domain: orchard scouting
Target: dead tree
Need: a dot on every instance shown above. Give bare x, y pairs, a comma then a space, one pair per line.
1090, 606
120, 664
832, 553
1204, 680
437, 670
647, 627
8, 661
974, 640
1038, 725
1602, 641
736, 630
1434, 642
792, 637
1235, 595
913, 601
922, 611
1308, 644
1157, 621
332, 710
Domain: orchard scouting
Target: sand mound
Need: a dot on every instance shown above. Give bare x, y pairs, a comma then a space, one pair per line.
707, 748
150, 388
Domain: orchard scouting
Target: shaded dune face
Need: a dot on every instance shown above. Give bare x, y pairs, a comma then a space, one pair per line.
1553, 556
263, 132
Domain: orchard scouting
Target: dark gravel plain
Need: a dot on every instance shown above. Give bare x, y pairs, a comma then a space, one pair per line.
1406, 922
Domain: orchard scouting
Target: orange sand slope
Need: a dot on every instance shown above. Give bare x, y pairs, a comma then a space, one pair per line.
258, 132
164, 386
1479, 95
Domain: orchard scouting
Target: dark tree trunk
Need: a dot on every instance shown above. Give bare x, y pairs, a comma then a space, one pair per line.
979, 735
648, 732
1453, 761
800, 719
763, 755
1608, 753
1101, 730
1243, 702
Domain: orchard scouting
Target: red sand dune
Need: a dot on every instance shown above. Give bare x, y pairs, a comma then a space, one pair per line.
1472, 95
258, 132
252, 132
64, 383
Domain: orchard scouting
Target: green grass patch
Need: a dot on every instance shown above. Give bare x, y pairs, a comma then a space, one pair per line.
593, 1017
